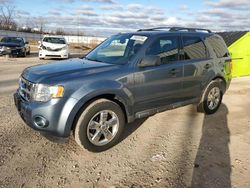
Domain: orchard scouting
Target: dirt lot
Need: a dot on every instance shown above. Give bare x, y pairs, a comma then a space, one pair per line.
179, 148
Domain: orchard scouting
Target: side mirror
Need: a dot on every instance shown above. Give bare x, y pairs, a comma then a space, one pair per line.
26, 42
39, 42
150, 61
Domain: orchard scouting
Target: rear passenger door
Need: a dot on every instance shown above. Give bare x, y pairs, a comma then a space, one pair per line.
194, 55
159, 85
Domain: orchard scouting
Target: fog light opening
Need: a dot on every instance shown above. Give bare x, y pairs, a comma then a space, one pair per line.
41, 122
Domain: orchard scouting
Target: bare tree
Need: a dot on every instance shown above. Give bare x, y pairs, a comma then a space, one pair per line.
7, 15
39, 22
60, 31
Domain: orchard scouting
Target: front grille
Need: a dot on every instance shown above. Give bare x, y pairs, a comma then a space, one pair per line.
54, 50
25, 89
52, 55
16, 51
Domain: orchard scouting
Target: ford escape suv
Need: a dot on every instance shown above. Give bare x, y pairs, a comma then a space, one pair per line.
128, 76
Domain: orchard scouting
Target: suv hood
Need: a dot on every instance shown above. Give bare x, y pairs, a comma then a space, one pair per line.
62, 69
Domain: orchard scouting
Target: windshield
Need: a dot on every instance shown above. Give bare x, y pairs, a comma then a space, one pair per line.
118, 49
12, 40
54, 40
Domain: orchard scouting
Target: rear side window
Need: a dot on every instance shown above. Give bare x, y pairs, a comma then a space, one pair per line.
194, 48
218, 46
166, 48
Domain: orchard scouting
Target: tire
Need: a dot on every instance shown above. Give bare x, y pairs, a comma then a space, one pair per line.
97, 135
24, 53
212, 97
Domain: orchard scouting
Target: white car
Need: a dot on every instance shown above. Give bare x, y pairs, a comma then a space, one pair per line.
53, 47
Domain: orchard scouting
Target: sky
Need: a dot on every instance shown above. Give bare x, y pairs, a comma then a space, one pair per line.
106, 17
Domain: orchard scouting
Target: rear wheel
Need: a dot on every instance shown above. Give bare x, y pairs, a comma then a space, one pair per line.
100, 126
212, 98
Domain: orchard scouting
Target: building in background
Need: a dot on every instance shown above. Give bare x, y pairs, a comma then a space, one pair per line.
239, 47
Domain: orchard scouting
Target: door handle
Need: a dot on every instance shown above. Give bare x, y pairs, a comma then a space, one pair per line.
207, 66
174, 71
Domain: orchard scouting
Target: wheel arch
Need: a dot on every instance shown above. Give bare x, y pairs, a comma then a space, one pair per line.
216, 78
222, 81
81, 106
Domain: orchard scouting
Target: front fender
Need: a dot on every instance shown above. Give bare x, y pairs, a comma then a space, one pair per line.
97, 90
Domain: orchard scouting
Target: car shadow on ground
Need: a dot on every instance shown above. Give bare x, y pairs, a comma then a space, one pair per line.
130, 128
212, 166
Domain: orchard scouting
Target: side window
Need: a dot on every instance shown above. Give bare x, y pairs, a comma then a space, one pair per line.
136, 46
218, 46
166, 48
194, 48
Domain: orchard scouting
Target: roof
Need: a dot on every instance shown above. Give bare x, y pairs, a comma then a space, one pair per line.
232, 37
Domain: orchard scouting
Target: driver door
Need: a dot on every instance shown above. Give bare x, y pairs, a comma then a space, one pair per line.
158, 86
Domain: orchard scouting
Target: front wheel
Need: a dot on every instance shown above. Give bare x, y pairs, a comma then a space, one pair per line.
100, 126
24, 53
212, 98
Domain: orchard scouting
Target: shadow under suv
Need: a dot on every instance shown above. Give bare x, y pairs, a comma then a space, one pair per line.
128, 76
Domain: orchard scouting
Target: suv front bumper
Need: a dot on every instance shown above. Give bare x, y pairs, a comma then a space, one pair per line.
56, 114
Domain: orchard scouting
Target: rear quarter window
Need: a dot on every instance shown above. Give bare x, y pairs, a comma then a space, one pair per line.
194, 48
218, 45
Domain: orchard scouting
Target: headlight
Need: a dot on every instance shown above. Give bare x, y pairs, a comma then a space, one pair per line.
44, 93
5, 48
43, 47
65, 48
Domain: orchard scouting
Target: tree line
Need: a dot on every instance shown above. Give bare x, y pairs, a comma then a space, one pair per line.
8, 15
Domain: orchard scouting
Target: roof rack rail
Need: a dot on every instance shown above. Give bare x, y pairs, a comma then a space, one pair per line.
176, 29
189, 29
155, 29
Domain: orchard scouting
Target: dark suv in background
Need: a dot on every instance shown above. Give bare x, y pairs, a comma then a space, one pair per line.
128, 76
14, 46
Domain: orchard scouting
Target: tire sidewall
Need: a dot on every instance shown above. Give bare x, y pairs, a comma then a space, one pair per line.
80, 131
24, 53
213, 84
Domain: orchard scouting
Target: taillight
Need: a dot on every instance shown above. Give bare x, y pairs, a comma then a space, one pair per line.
230, 66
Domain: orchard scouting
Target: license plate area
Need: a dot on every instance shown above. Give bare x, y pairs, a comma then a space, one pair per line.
17, 102
20, 106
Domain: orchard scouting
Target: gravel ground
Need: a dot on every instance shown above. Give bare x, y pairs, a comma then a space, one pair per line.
178, 148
